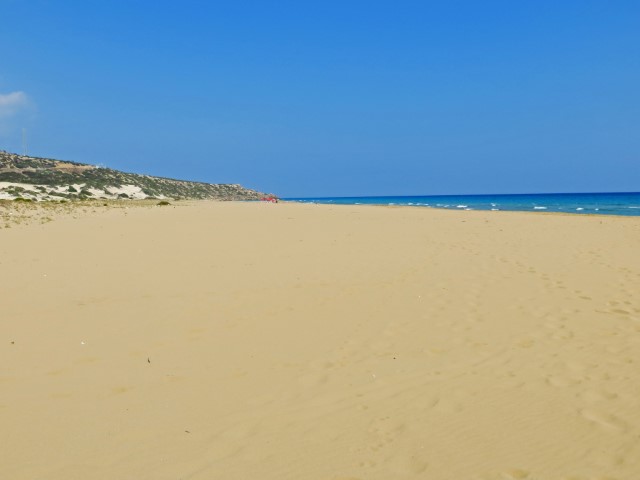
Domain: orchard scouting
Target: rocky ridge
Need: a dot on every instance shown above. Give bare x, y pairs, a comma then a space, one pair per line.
42, 179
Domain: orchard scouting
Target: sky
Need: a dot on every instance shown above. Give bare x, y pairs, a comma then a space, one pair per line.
331, 98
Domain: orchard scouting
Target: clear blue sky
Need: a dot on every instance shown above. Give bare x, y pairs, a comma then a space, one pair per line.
332, 97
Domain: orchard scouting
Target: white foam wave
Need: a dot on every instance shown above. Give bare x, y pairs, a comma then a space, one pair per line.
539, 208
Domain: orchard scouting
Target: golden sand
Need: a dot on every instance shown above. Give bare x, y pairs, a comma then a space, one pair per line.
257, 341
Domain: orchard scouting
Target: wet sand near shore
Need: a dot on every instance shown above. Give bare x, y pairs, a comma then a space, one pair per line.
210, 340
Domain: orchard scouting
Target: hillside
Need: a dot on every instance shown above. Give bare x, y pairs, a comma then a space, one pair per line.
46, 179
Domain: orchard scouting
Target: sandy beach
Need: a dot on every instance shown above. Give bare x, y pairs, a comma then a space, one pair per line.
283, 341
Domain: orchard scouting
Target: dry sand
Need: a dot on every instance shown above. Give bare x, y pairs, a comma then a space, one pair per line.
256, 341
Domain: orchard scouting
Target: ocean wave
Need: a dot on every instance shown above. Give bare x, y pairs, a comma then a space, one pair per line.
627, 204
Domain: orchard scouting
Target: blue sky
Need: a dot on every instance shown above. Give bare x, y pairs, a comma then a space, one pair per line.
332, 97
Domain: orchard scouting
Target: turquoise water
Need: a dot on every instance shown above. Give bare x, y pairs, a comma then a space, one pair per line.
578, 203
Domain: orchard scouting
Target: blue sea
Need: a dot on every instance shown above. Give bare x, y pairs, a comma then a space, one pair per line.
579, 203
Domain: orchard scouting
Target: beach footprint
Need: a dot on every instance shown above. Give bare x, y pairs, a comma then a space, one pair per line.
411, 464
603, 420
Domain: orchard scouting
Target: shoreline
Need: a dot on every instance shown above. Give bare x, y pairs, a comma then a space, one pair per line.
101, 204
616, 203
535, 212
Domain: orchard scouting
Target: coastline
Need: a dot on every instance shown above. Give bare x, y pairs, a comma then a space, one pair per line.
471, 211
252, 340
598, 203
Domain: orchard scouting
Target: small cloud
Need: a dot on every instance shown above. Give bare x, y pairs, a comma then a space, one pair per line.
12, 103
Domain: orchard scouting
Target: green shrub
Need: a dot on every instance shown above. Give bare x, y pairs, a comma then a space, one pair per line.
163, 203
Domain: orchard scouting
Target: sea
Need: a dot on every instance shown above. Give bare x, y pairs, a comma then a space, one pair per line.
627, 204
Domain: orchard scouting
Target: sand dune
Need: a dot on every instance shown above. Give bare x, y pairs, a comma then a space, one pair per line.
257, 341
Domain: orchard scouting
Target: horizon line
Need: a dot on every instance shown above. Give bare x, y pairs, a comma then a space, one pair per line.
462, 195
